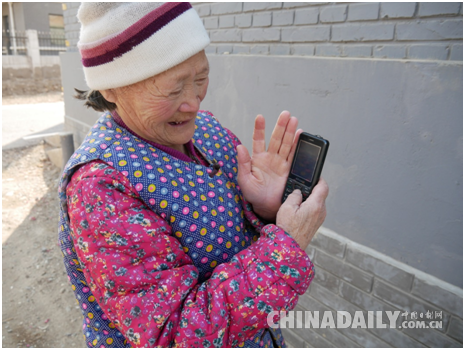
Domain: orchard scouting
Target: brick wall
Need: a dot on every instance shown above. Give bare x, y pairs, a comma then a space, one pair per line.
72, 26
377, 30
351, 277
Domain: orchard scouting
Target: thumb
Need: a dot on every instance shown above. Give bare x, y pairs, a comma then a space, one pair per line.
244, 161
294, 199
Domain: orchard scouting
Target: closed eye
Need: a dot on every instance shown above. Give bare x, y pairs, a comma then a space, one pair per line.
175, 93
201, 81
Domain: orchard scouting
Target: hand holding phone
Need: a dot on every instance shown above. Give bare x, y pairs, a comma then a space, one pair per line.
307, 164
303, 219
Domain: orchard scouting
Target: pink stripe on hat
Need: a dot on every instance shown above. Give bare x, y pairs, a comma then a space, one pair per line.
130, 32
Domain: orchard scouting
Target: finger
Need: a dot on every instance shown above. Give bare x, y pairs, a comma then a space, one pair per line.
258, 138
319, 193
278, 132
244, 163
294, 145
288, 138
294, 199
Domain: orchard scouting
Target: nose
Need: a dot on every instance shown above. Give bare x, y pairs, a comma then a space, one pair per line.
191, 102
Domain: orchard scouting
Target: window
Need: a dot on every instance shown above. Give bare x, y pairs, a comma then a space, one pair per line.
57, 27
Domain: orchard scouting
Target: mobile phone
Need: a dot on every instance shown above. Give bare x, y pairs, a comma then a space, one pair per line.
307, 164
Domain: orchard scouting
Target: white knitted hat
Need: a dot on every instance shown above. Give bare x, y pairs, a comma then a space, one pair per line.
124, 43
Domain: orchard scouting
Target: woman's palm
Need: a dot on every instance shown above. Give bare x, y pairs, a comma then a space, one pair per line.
263, 176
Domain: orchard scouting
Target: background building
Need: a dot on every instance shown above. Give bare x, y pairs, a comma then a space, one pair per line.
33, 35
383, 83
40, 16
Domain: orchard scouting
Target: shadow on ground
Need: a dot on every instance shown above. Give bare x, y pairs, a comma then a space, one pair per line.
38, 305
20, 143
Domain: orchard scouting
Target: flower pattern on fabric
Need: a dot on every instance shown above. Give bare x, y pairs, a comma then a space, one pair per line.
149, 285
146, 284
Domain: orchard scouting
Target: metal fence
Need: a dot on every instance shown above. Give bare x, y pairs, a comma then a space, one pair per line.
51, 44
14, 44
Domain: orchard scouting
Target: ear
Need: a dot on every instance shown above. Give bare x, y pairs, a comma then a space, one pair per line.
109, 95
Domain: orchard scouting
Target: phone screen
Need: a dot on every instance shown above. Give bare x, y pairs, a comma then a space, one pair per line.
306, 160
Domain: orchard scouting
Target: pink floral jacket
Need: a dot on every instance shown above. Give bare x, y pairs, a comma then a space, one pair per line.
149, 288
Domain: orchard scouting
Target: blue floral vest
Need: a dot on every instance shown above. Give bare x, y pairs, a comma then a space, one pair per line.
203, 208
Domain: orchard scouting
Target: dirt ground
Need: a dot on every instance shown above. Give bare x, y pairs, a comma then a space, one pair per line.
38, 98
38, 305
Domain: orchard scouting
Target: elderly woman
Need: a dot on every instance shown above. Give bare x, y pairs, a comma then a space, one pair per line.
166, 221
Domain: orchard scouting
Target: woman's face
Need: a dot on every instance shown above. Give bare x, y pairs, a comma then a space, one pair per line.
163, 108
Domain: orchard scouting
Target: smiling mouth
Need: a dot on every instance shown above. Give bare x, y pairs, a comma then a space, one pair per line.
178, 123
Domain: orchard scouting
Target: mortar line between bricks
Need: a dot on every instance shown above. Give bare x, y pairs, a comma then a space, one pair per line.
401, 331
353, 266
378, 278
369, 42
448, 326
318, 335
370, 293
395, 308
329, 292
400, 60
441, 335
417, 8
297, 335
384, 20
411, 283
401, 292
339, 278
387, 259
397, 329
320, 318
331, 309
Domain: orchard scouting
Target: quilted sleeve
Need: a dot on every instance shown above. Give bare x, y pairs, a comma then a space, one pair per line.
148, 286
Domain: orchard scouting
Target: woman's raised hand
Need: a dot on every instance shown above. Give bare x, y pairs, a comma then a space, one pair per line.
302, 220
263, 176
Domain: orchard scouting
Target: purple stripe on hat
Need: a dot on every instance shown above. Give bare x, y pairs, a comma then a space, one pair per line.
138, 37
102, 46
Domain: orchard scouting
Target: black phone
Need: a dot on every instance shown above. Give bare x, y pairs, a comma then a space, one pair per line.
307, 164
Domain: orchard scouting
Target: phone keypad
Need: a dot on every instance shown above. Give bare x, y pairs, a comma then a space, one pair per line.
292, 185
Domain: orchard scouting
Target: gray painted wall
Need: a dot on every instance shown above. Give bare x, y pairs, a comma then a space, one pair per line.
395, 162
33, 15
394, 166
395, 124
36, 14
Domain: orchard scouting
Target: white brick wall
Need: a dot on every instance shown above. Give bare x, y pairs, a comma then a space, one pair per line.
388, 30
